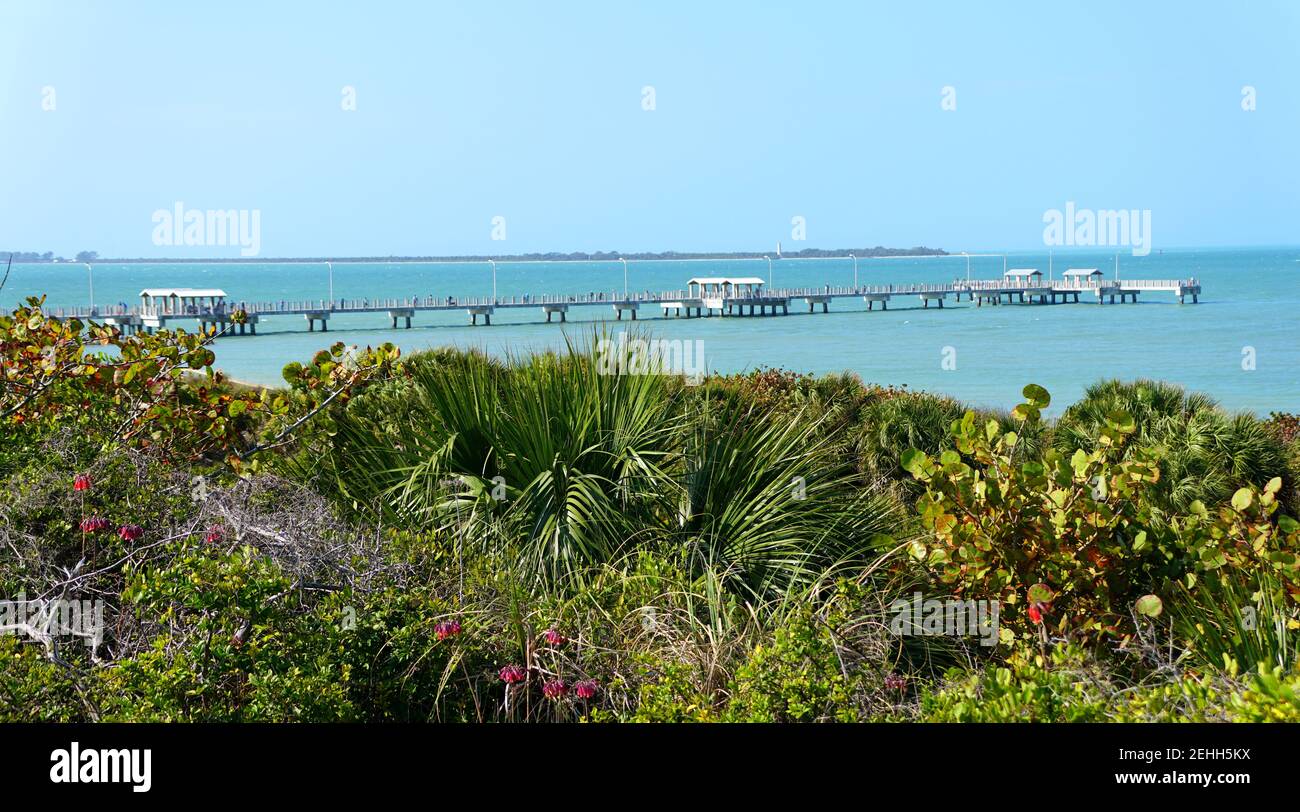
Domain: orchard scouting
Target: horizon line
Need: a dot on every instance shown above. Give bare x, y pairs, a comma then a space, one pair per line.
878, 252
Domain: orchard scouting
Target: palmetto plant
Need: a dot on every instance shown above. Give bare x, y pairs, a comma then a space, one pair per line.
583, 454
770, 504
1206, 453
545, 455
559, 462
1153, 405
893, 425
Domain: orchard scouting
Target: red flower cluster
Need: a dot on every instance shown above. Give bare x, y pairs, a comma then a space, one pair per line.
586, 689
512, 674
554, 638
895, 682
81, 482
450, 628
93, 524
214, 535
555, 689
1036, 612
130, 532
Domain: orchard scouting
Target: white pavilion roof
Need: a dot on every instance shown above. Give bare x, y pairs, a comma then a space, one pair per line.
734, 280
184, 293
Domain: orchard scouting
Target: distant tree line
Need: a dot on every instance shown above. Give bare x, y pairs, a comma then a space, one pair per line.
48, 256
550, 256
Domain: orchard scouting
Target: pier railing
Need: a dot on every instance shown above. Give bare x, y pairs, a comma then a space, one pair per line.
430, 302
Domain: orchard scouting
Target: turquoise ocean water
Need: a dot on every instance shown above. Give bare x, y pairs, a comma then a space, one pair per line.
1251, 300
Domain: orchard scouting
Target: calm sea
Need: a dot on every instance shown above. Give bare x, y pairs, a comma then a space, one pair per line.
1248, 312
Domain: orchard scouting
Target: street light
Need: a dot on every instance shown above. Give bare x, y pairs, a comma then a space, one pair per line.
330, 265
90, 274
624, 261
769, 271
494, 280
855, 271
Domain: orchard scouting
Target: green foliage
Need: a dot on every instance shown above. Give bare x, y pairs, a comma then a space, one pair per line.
59, 374
242, 655
558, 454
894, 425
35, 689
1272, 697
668, 692
718, 552
1001, 524
1060, 687
797, 678
1065, 684
1205, 454
568, 464
138, 390
1082, 526
1241, 616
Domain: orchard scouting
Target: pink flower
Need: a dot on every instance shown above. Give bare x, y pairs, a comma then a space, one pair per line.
586, 689
555, 689
81, 482
214, 534
449, 628
512, 674
130, 532
1036, 612
94, 524
895, 682
553, 637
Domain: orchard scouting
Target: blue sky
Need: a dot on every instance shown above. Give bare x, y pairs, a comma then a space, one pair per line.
533, 112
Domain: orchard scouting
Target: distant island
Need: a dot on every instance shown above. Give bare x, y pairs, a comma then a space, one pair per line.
551, 256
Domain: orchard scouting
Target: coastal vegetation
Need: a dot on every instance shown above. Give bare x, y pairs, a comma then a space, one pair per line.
451, 537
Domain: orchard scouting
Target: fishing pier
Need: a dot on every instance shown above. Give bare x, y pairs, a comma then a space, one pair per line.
703, 297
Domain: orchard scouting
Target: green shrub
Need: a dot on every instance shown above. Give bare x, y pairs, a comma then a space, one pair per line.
1205, 453
668, 692
798, 677
1063, 686
1076, 540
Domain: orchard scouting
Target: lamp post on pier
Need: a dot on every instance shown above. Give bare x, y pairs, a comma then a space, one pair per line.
769, 271
624, 261
855, 272
494, 280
